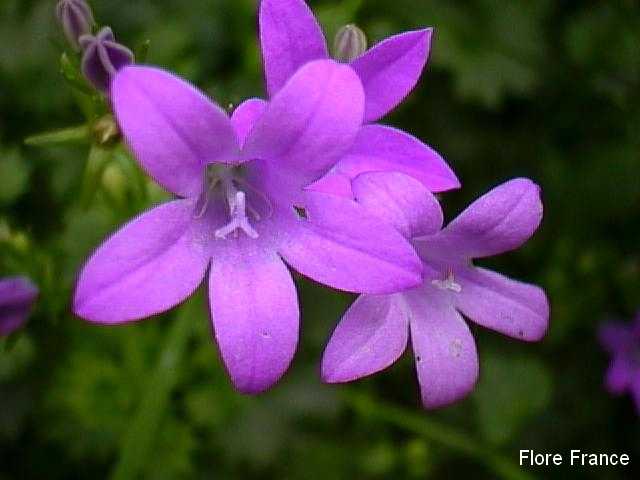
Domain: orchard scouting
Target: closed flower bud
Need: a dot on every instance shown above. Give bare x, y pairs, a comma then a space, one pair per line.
76, 19
349, 44
102, 58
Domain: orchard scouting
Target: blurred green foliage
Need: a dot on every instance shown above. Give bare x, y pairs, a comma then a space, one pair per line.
548, 90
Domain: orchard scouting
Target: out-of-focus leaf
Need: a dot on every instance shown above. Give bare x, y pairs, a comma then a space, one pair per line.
14, 176
511, 391
142, 51
99, 158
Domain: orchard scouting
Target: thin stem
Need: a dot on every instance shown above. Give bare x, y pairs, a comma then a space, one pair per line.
139, 440
438, 432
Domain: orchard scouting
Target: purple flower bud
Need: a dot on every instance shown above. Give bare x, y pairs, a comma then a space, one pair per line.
17, 295
350, 42
102, 58
76, 19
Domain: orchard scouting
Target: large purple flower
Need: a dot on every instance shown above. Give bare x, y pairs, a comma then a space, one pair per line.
243, 208
375, 331
290, 36
17, 295
622, 341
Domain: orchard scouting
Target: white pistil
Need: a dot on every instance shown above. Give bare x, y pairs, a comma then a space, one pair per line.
239, 220
448, 283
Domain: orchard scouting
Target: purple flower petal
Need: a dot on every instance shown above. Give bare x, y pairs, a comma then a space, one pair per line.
255, 315
371, 336
345, 247
444, 349
290, 37
245, 117
391, 69
311, 122
513, 308
380, 149
17, 295
619, 376
333, 183
400, 200
497, 222
172, 128
149, 266
614, 336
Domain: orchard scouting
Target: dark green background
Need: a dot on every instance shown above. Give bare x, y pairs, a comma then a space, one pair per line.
544, 89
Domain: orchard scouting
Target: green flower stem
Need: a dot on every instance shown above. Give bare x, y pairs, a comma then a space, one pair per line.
139, 440
79, 134
437, 432
97, 161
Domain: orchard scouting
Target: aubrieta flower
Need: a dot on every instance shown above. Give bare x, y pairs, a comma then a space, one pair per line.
76, 19
622, 342
375, 330
290, 36
102, 57
242, 210
17, 295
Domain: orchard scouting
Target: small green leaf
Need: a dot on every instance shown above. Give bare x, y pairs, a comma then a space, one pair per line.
71, 135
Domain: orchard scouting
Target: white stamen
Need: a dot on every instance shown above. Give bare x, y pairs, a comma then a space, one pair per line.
448, 283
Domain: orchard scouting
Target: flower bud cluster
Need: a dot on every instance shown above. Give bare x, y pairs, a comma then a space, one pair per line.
102, 56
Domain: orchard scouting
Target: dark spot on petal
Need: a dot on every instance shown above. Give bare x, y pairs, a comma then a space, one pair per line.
456, 348
418, 358
302, 213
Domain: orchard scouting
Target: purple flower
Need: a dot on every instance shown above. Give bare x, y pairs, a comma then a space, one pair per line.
17, 295
102, 57
241, 183
375, 331
76, 19
290, 37
622, 341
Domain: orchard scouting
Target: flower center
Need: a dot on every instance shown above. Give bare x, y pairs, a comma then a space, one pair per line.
448, 283
242, 202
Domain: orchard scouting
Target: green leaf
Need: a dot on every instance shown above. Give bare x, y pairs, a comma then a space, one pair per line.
71, 135
14, 177
511, 392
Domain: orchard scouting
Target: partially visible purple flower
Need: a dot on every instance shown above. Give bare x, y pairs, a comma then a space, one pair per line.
239, 181
374, 332
102, 57
622, 341
76, 19
290, 36
17, 295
